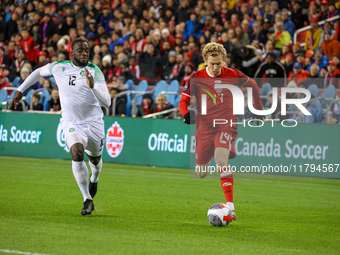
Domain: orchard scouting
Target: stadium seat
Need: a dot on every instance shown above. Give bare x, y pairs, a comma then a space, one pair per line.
173, 87
28, 97
128, 105
314, 90
12, 94
142, 87
292, 108
161, 86
3, 95
177, 101
316, 105
44, 98
329, 94
131, 84
15, 82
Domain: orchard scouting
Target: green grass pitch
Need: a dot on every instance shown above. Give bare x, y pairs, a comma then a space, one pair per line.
149, 210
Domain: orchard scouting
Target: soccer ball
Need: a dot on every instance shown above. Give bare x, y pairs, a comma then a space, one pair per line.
219, 215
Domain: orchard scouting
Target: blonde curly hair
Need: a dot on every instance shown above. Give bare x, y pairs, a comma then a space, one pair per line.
213, 49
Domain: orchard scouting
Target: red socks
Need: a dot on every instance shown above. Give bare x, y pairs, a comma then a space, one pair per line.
227, 183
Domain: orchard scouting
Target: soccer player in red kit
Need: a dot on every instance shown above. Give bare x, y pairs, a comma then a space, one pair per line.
216, 141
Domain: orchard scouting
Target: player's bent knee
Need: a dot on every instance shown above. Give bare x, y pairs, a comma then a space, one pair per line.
77, 152
94, 160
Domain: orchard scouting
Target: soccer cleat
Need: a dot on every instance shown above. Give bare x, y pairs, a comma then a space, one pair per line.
88, 207
233, 216
93, 188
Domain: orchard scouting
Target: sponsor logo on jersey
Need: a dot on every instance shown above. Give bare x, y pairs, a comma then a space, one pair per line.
71, 130
82, 73
61, 138
114, 140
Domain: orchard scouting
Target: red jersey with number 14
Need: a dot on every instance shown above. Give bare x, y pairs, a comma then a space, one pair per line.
219, 101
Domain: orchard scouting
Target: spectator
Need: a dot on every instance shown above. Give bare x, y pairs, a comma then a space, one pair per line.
332, 76
313, 35
35, 101
120, 105
336, 59
289, 62
150, 64
54, 103
314, 77
298, 74
188, 71
47, 28
271, 69
242, 37
42, 60
120, 84
5, 59
11, 27
320, 59
162, 105
29, 46
127, 73
167, 68
297, 17
106, 67
323, 72
288, 25
145, 107
280, 37
300, 57
330, 45
4, 83
105, 17
17, 64
134, 67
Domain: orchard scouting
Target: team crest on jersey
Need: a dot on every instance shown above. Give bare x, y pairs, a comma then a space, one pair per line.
185, 87
63, 69
71, 130
114, 140
82, 73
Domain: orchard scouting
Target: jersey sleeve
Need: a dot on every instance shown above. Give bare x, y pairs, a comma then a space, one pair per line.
185, 100
100, 89
35, 76
244, 80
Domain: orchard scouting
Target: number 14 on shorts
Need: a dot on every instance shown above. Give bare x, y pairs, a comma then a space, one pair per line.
225, 137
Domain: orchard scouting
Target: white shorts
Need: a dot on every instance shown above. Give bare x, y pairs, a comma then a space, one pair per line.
92, 135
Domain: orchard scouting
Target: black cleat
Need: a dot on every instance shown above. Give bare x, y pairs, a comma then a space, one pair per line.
93, 188
88, 207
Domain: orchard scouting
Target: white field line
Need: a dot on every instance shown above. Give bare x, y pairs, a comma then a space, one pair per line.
20, 252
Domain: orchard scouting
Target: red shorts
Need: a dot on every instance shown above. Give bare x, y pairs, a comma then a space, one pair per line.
207, 143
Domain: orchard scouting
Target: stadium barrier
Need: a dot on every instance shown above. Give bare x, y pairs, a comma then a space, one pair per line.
169, 143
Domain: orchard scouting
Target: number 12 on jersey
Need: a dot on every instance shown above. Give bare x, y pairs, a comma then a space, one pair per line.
72, 80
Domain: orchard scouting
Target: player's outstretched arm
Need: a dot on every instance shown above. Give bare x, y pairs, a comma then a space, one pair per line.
35, 76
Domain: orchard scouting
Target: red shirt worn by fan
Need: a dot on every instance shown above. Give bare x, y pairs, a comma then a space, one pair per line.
220, 108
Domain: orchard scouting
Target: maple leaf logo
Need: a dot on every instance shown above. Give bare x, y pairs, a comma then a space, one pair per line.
114, 140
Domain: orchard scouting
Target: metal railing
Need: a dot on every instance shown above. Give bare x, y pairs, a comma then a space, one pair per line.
128, 92
151, 115
308, 27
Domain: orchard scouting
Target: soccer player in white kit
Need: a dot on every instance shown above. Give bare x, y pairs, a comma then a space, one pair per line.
82, 91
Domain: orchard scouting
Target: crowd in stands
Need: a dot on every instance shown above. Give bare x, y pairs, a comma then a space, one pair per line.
163, 40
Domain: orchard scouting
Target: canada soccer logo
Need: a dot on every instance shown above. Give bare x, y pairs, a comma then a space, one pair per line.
114, 140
